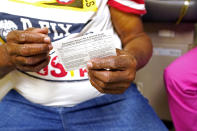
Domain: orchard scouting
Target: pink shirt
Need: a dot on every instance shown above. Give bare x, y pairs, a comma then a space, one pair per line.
181, 84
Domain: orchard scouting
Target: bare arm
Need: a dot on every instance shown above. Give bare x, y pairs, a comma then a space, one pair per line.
130, 30
137, 50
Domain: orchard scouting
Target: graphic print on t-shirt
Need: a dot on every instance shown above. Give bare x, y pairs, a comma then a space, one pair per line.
77, 5
57, 31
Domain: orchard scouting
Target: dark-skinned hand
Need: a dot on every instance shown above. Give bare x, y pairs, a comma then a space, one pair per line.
113, 74
28, 50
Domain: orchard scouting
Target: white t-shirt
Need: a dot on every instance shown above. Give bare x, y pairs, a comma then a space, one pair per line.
53, 85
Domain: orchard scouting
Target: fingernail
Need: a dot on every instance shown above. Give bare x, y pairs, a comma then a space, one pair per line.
89, 64
50, 47
87, 70
45, 28
47, 39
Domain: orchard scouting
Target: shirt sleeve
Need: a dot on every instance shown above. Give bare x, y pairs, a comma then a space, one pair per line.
129, 6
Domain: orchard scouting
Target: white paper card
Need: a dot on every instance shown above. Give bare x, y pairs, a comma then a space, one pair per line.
75, 53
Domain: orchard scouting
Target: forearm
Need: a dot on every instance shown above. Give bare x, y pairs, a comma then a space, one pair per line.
130, 30
5, 65
141, 48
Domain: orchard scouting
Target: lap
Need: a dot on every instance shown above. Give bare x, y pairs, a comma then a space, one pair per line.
129, 111
18, 114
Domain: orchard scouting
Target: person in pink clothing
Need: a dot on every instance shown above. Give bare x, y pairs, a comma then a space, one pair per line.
181, 85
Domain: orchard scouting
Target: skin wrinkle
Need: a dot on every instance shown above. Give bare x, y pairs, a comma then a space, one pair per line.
104, 73
26, 50
137, 50
36, 67
31, 60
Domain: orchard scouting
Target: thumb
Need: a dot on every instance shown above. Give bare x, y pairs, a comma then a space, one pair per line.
120, 52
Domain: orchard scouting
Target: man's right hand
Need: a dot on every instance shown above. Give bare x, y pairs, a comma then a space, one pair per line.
28, 50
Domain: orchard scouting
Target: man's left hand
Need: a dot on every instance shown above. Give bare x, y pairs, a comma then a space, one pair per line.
113, 74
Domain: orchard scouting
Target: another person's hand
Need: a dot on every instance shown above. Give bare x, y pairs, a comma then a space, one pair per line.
113, 74
28, 50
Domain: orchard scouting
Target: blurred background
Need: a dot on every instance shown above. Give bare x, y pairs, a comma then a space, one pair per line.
171, 24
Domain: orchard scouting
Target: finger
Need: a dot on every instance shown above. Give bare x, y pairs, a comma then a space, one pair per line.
96, 86
27, 37
38, 30
28, 49
111, 86
113, 76
119, 52
36, 68
42, 31
93, 83
106, 91
31, 60
111, 62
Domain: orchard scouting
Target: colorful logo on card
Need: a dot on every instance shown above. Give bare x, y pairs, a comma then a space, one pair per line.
76, 5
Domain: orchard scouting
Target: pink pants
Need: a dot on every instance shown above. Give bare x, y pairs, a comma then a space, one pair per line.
181, 85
